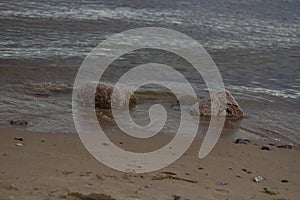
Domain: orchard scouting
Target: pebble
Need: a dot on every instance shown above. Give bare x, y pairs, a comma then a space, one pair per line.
222, 183
19, 139
19, 144
286, 146
12, 187
258, 179
147, 186
176, 197
265, 148
284, 181
242, 141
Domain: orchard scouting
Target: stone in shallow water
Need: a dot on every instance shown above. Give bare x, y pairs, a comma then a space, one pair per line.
103, 96
224, 104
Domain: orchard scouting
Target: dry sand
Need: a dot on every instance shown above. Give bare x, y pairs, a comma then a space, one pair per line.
57, 166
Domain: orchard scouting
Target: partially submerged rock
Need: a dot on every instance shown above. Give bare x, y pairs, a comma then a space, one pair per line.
18, 123
224, 104
103, 96
56, 87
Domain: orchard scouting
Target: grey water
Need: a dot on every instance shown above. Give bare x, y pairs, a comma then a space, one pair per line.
255, 44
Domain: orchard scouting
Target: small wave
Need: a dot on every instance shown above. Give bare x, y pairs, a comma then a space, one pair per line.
286, 93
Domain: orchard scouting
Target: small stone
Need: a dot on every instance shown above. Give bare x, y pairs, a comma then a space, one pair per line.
13, 187
177, 197
222, 183
19, 139
286, 146
258, 179
19, 144
242, 141
269, 192
147, 186
265, 148
284, 181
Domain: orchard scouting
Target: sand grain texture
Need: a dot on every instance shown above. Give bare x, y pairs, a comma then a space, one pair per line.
57, 166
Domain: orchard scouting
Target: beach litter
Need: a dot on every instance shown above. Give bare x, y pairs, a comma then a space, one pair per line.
173, 177
284, 181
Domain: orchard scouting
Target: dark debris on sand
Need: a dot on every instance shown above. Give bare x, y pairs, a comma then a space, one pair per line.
92, 196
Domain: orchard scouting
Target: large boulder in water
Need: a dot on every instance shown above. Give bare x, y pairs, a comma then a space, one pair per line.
224, 105
103, 96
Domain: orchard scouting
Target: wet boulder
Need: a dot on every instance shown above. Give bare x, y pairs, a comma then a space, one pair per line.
224, 104
104, 96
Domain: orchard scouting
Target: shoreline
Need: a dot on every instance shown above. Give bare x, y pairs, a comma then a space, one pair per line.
57, 166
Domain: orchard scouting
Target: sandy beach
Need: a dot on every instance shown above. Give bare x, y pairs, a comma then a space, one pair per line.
170, 54
57, 166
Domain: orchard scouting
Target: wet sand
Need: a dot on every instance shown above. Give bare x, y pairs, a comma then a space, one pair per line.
57, 166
